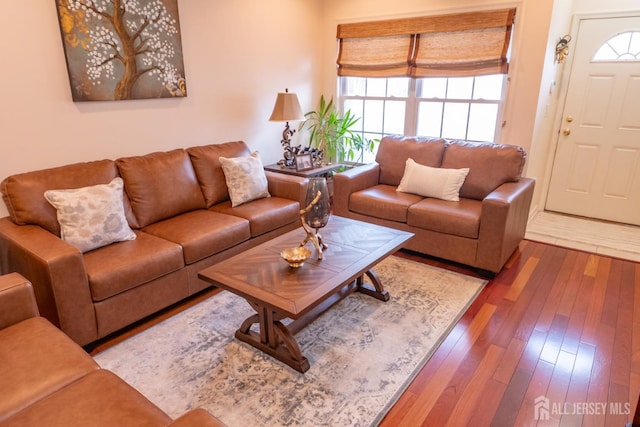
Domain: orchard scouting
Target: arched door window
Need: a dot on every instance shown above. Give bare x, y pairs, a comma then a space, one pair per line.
622, 47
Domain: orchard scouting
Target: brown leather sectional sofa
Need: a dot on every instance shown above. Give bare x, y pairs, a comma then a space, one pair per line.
481, 230
177, 203
48, 380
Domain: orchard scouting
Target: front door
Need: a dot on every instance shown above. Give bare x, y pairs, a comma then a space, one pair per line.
596, 171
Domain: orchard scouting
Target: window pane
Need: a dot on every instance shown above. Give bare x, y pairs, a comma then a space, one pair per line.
398, 87
454, 125
353, 86
356, 106
634, 46
488, 87
482, 122
429, 118
620, 43
394, 117
369, 157
373, 116
376, 87
605, 53
460, 88
433, 88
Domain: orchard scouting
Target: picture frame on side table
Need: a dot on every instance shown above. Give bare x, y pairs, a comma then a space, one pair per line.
303, 162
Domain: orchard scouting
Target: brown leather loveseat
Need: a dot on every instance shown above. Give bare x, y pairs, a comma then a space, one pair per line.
481, 229
177, 205
48, 380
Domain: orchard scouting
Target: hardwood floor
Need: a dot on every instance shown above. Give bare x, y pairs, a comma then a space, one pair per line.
556, 324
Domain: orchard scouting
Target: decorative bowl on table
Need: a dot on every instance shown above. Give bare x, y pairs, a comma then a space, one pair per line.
295, 256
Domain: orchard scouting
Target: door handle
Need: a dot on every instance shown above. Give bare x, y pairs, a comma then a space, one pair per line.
566, 132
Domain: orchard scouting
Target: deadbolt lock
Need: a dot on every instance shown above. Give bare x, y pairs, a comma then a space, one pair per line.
569, 119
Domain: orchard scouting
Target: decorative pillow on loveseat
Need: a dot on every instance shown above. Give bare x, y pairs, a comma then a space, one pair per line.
426, 181
245, 178
91, 217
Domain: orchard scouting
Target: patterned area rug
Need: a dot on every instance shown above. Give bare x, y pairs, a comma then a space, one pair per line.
363, 354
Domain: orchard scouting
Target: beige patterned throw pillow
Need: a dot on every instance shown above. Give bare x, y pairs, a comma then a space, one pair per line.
245, 178
91, 217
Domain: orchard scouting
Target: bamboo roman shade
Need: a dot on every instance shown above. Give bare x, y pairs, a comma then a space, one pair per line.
462, 44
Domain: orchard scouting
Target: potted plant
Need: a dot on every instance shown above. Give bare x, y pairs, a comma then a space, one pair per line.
332, 135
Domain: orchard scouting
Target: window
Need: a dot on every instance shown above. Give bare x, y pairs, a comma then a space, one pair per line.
448, 107
435, 76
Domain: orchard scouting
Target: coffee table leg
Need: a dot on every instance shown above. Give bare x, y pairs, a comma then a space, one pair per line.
378, 290
274, 338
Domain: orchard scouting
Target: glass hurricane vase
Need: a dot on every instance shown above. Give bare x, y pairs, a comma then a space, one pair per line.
316, 213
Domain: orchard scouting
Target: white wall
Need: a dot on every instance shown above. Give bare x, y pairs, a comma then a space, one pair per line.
593, 6
238, 54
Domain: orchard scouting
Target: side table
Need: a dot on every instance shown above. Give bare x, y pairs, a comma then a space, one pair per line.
315, 172
322, 171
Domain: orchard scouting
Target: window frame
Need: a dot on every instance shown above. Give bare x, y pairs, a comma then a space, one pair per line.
412, 102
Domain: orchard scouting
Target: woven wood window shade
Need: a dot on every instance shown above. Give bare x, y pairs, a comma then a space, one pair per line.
463, 44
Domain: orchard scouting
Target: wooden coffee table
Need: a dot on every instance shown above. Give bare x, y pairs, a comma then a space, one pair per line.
277, 291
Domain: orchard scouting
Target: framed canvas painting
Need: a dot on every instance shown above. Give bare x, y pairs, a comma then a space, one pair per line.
122, 49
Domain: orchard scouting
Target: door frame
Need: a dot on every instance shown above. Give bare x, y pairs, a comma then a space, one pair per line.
564, 88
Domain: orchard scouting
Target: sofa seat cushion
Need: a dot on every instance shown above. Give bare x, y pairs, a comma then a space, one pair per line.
460, 218
122, 266
37, 359
201, 233
384, 202
98, 399
264, 215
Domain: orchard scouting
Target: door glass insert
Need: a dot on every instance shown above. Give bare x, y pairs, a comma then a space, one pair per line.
622, 47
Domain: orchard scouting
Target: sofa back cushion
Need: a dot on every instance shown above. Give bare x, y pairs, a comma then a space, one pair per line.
490, 165
23, 194
206, 163
160, 185
394, 151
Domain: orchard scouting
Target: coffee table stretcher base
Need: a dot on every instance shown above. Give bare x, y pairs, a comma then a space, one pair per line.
277, 340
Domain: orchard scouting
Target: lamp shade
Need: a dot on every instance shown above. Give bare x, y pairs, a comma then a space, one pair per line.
287, 108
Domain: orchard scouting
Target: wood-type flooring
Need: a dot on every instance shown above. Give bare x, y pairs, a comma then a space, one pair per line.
553, 339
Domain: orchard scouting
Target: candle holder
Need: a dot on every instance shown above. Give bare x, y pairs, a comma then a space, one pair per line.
316, 213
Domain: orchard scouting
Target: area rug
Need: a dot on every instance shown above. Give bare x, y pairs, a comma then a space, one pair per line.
363, 354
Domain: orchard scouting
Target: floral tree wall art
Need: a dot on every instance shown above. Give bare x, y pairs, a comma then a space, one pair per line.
122, 49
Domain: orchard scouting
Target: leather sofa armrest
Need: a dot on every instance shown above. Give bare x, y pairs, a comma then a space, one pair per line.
197, 418
350, 181
17, 300
503, 223
287, 186
56, 271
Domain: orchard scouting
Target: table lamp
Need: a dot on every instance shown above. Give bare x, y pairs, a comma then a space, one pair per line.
286, 109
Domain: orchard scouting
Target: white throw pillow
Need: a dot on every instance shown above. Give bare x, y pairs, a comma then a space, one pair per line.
245, 178
91, 217
426, 181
